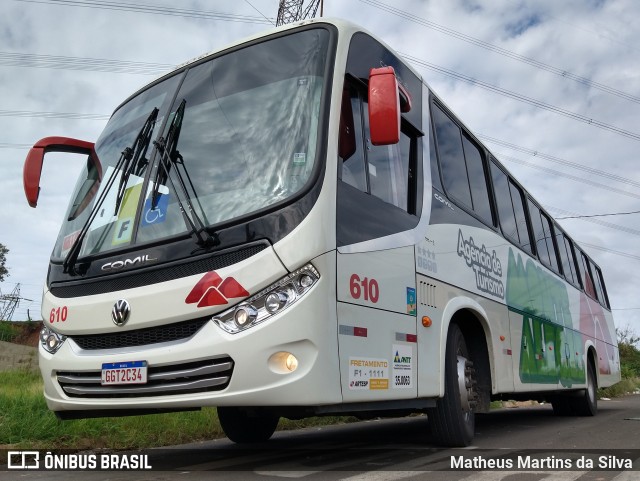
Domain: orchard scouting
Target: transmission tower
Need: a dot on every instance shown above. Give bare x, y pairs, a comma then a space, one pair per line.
9, 302
291, 11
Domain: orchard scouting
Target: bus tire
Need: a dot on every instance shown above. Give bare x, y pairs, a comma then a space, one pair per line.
452, 421
244, 426
586, 402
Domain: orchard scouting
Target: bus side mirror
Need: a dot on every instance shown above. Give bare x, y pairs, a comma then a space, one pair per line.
33, 163
387, 98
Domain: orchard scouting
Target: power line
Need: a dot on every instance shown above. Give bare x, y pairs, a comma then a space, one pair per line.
4, 145
598, 215
15, 59
559, 160
568, 176
52, 115
611, 251
628, 230
523, 98
262, 14
154, 9
502, 51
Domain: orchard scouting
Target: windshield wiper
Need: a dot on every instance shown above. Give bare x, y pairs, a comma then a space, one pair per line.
132, 158
169, 155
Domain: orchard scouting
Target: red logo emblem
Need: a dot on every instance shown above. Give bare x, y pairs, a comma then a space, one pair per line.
212, 290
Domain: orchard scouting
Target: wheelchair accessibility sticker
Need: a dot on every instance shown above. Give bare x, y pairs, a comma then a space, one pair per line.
158, 214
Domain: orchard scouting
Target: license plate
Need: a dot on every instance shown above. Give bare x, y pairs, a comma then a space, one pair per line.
133, 372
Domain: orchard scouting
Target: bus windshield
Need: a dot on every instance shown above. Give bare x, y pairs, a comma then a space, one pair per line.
246, 141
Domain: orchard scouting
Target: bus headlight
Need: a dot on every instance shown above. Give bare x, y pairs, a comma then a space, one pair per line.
268, 302
50, 340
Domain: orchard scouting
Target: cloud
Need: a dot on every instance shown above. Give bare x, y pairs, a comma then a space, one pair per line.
595, 40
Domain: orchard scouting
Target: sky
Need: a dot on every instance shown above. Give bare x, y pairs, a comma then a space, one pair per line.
553, 88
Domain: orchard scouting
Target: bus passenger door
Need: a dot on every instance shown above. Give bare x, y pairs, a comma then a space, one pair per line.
376, 279
377, 325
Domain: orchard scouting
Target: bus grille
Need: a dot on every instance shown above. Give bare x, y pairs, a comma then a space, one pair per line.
173, 379
141, 337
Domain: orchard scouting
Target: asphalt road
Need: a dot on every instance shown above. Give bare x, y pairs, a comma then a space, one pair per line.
555, 448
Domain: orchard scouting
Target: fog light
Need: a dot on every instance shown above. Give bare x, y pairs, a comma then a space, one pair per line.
291, 362
283, 362
244, 315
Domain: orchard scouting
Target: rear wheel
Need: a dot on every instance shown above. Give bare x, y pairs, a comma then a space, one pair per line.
247, 426
452, 421
586, 402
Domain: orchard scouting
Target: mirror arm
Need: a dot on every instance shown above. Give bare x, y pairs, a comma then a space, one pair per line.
35, 158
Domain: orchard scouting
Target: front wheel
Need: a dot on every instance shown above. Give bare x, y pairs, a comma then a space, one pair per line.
247, 426
452, 421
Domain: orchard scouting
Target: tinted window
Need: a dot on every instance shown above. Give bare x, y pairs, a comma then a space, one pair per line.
572, 260
477, 180
451, 156
567, 266
602, 289
521, 218
585, 275
548, 238
597, 280
538, 234
505, 207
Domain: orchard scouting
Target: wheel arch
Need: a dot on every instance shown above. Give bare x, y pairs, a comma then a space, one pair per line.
591, 356
474, 324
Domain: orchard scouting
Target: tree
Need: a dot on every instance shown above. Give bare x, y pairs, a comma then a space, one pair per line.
3, 258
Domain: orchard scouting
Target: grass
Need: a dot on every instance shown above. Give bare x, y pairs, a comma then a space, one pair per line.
26, 422
626, 386
8, 331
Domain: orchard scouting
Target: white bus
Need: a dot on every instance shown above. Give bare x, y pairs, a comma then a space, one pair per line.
296, 225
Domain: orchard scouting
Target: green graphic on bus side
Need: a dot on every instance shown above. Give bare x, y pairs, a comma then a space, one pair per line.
551, 350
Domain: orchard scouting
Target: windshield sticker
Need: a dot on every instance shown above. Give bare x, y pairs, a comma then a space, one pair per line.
368, 374
106, 215
158, 214
299, 158
124, 225
402, 375
68, 242
486, 267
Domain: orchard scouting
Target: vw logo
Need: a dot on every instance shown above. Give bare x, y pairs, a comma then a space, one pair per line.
120, 312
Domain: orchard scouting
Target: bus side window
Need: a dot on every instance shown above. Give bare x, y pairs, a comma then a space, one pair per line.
548, 238
388, 168
602, 292
451, 156
572, 261
585, 275
513, 220
567, 264
505, 206
350, 141
538, 234
477, 180
386, 171
463, 166
521, 217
